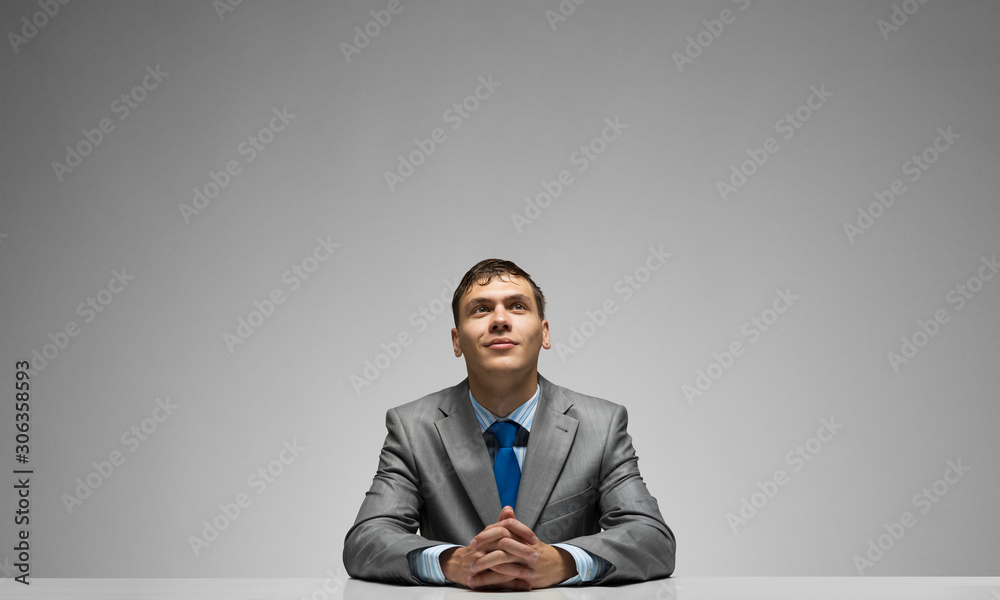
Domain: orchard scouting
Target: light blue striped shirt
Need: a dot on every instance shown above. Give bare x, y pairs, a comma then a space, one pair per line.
426, 564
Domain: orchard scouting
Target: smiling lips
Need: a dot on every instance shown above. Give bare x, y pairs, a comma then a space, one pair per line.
501, 343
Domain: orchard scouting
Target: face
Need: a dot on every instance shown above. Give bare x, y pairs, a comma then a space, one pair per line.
499, 330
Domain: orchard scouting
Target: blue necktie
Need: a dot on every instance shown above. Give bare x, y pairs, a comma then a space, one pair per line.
505, 468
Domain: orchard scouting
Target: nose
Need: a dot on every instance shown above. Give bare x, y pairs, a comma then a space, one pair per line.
500, 320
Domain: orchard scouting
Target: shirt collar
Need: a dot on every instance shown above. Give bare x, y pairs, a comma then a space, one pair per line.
523, 416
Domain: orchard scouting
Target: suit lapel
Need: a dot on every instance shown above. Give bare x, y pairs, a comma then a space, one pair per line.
463, 441
549, 442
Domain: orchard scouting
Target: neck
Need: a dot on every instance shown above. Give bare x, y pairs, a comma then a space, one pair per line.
503, 394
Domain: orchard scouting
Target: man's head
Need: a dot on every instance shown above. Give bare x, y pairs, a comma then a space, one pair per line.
484, 271
500, 321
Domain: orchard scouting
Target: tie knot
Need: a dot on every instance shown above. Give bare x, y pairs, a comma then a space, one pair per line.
504, 432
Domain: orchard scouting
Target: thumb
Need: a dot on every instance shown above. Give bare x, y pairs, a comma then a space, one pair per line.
506, 513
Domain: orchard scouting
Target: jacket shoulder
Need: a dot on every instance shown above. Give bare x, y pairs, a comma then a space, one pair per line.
584, 403
429, 403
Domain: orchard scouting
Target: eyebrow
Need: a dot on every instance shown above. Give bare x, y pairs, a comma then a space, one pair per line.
512, 298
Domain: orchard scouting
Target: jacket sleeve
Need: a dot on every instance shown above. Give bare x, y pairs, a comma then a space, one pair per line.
634, 538
384, 532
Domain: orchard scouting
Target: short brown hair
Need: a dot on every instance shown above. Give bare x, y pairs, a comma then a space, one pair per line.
484, 271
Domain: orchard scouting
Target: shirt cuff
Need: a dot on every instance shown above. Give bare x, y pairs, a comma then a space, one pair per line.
425, 564
588, 566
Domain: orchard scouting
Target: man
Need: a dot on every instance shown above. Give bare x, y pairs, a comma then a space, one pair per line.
513, 482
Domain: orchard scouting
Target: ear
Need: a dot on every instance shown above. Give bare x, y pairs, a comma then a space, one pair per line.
454, 342
545, 335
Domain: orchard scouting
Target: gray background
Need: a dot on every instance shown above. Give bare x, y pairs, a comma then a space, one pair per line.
655, 185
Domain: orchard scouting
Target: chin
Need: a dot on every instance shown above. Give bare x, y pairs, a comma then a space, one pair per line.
503, 367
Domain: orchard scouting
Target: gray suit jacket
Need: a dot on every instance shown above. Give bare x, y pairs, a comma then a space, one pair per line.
580, 485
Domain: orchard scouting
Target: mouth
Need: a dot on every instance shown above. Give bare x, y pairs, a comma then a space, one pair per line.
501, 344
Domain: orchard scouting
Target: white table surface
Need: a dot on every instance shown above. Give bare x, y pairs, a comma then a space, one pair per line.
677, 588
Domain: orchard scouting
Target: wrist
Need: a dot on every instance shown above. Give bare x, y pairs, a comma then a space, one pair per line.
567, 566
558, 566
445, 560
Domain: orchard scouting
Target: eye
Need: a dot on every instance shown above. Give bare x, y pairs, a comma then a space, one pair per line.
478, 308
519, 306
